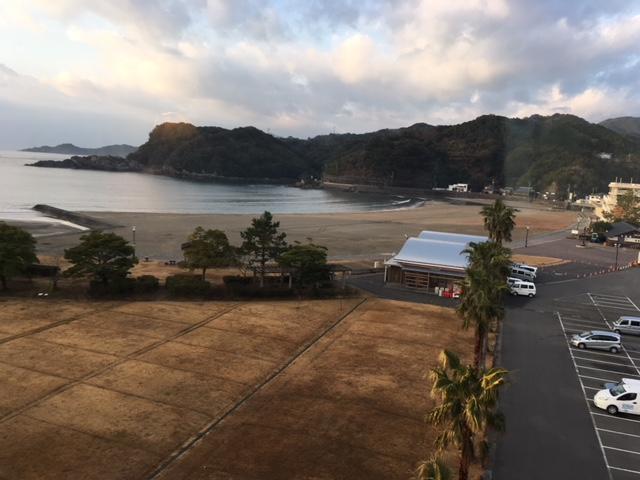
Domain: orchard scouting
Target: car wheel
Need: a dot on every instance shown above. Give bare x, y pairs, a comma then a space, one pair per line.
617, 331
613, 349
612, 409
515, 294
582, 346
531, 295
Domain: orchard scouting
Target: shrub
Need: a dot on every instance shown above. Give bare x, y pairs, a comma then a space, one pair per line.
119, 286
147, 284
187, 286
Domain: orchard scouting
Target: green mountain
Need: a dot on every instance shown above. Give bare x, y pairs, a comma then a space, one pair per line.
185, 150
624, 125
551, 153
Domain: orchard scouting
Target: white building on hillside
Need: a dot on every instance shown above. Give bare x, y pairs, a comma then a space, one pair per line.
616, 189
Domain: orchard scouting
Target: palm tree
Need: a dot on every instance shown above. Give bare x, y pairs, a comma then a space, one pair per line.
481, 300
468, 404
499, 221
432, 469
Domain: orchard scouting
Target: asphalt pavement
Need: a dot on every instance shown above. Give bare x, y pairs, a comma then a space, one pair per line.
553, 430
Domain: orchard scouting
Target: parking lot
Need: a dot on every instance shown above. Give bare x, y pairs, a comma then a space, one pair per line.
618, 436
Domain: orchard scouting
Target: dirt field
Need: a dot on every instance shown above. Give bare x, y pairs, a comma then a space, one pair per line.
85, 385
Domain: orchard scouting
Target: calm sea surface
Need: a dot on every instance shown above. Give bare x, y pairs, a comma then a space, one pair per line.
22, 187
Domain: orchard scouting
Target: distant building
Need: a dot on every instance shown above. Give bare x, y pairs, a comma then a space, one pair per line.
433, 262
625, 234
609, 202
458, 187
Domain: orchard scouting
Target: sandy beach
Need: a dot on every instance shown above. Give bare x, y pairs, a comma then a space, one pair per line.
365, 235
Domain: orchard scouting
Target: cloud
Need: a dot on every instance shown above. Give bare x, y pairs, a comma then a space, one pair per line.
305, 68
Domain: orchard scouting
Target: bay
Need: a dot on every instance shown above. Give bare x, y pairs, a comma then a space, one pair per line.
22, 187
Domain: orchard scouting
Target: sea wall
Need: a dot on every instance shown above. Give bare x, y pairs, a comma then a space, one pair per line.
419, 192
73, 217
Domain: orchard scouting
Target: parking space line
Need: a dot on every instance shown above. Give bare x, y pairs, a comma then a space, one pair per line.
597, 378
610, 371
609, 355
615, 417
584, 325
593, 388
618, 433
581, 320
631, 302
625, 470
606, 295
625, 351
602, 361
584, 393
622, 450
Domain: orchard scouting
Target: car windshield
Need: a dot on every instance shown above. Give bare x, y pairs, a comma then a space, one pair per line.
617, 390
584, 334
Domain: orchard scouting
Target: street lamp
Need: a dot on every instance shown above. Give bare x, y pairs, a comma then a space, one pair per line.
526, 237
133, 231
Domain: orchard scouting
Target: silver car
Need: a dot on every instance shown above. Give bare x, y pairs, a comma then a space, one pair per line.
597, 339
630, 325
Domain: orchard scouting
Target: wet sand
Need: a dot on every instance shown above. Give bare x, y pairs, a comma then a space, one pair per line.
363, 235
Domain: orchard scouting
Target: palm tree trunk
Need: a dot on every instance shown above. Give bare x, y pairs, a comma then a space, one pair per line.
466, 456
3, 280
480, 347
204, 273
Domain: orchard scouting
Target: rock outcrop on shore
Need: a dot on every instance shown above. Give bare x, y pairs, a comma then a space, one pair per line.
93, 162
70, 149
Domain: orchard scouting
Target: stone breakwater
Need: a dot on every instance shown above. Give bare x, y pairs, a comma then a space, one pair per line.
77, 218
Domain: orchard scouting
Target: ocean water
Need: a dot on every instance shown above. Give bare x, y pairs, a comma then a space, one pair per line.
22, 187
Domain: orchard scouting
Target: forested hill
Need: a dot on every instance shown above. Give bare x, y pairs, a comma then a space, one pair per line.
625, 125
181, 148
550, 152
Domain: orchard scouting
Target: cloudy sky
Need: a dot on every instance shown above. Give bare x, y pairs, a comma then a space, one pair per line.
106, 71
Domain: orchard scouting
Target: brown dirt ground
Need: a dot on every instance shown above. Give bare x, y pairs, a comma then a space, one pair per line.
86, 385
351, 407
538, 261
368, 235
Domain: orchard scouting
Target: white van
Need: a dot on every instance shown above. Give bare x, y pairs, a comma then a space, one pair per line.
521, 287
621, 397
518, 272
528, 268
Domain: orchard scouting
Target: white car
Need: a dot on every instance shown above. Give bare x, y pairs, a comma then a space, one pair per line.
528, 268
621, 397
521, 287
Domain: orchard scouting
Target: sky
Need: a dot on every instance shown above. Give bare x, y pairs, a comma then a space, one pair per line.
106, 71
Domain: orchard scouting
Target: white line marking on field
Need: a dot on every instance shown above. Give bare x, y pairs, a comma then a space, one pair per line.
584, 393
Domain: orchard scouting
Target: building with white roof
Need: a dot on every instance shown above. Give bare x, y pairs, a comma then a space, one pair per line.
431, 262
